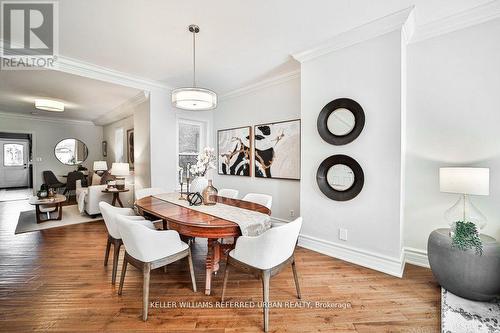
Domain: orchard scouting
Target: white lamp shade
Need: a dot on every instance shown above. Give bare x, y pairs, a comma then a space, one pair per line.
100, 166
49, 105
474, 181
120, 169
194, 99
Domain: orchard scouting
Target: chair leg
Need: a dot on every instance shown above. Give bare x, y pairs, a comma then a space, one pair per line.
266, 276
191, 270
106, 254
224, 284
116, 255
122, 277
145, 290
296, 278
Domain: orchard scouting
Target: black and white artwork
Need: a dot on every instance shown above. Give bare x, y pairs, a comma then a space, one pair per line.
234, 147
277, 150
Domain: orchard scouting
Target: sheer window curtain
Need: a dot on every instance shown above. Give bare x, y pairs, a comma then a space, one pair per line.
119, 145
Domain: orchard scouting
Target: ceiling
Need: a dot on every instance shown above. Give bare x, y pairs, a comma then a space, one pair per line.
240, 43
84, 99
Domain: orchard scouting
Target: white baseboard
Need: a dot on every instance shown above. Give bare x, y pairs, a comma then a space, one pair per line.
277, 221
416, 257
360, 257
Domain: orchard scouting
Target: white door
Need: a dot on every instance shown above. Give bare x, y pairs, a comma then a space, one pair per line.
14, 168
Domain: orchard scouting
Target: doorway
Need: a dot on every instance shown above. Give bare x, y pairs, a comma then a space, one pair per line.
15, 166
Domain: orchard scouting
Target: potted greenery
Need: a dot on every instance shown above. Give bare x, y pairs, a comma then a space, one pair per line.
465, 236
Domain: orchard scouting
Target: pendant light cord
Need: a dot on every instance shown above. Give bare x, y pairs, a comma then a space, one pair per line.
194, 59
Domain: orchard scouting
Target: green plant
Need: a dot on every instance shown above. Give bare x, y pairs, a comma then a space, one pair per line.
466, 237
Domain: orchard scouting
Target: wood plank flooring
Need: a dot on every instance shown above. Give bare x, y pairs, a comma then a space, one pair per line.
55, 281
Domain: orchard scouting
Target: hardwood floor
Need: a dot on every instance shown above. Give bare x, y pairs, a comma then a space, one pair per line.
54, 280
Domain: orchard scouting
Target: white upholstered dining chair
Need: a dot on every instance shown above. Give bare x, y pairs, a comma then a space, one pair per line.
228, 193
146, 192
265, 256
147, 249
258, 198
109, 214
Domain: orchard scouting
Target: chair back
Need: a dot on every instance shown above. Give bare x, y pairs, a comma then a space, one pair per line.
109, 214
146, 192
258, 198
228, 193
72, 178
49, 178
136, 238
273, 246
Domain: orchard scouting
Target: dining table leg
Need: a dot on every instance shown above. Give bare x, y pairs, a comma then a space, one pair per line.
212, 262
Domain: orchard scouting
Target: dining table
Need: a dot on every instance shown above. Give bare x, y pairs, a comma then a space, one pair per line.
189, 222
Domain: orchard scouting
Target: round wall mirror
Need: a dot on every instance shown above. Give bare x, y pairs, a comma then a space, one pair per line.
71, 151
340, 177
341, 121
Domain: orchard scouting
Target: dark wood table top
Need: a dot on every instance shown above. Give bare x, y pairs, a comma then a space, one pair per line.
190, 218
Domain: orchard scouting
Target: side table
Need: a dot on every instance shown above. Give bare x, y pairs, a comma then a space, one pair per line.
116, 195
464, 273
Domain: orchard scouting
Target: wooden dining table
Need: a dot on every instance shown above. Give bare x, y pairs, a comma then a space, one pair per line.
191, 223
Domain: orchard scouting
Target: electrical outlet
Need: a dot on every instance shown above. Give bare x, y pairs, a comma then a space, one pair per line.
292, 213
343, 234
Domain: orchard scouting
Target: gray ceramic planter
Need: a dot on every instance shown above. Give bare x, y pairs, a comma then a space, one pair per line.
464, 273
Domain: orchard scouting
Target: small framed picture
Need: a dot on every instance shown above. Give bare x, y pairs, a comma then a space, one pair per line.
130, 148
104, 148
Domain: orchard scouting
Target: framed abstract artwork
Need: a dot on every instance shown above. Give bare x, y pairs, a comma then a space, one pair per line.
233, 150
277, 150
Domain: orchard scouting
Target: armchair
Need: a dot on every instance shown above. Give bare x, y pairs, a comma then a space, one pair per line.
88, 198
147, 249
265, 256
109, 214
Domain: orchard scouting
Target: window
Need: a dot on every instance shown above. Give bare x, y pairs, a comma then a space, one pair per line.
13, 154
119, 145
191, 136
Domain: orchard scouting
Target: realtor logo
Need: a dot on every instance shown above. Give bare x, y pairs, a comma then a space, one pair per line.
29, 34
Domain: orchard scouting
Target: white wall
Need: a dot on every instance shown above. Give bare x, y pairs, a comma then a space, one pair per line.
453, 119
142, 146
109, 136
370, 73
46, 134
272, 103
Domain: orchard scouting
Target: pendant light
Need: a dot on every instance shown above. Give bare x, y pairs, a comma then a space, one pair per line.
194, 98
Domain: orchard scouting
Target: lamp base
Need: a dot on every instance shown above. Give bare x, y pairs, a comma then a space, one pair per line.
464, 210
120, 183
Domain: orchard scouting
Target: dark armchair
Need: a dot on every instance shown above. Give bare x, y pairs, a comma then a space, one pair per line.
71, 181
51, 180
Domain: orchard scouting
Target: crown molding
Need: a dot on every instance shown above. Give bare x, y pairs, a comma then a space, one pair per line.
85, 69
464, 19
23, 116
357, 35
266, 83
122, 111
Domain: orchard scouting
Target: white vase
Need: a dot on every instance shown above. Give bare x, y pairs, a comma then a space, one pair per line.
198, 185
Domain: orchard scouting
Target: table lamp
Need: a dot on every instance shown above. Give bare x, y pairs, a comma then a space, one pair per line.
465, 181
100, 167
120, 170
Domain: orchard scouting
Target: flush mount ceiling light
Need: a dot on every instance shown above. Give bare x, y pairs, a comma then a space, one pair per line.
49, 105
194, 98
